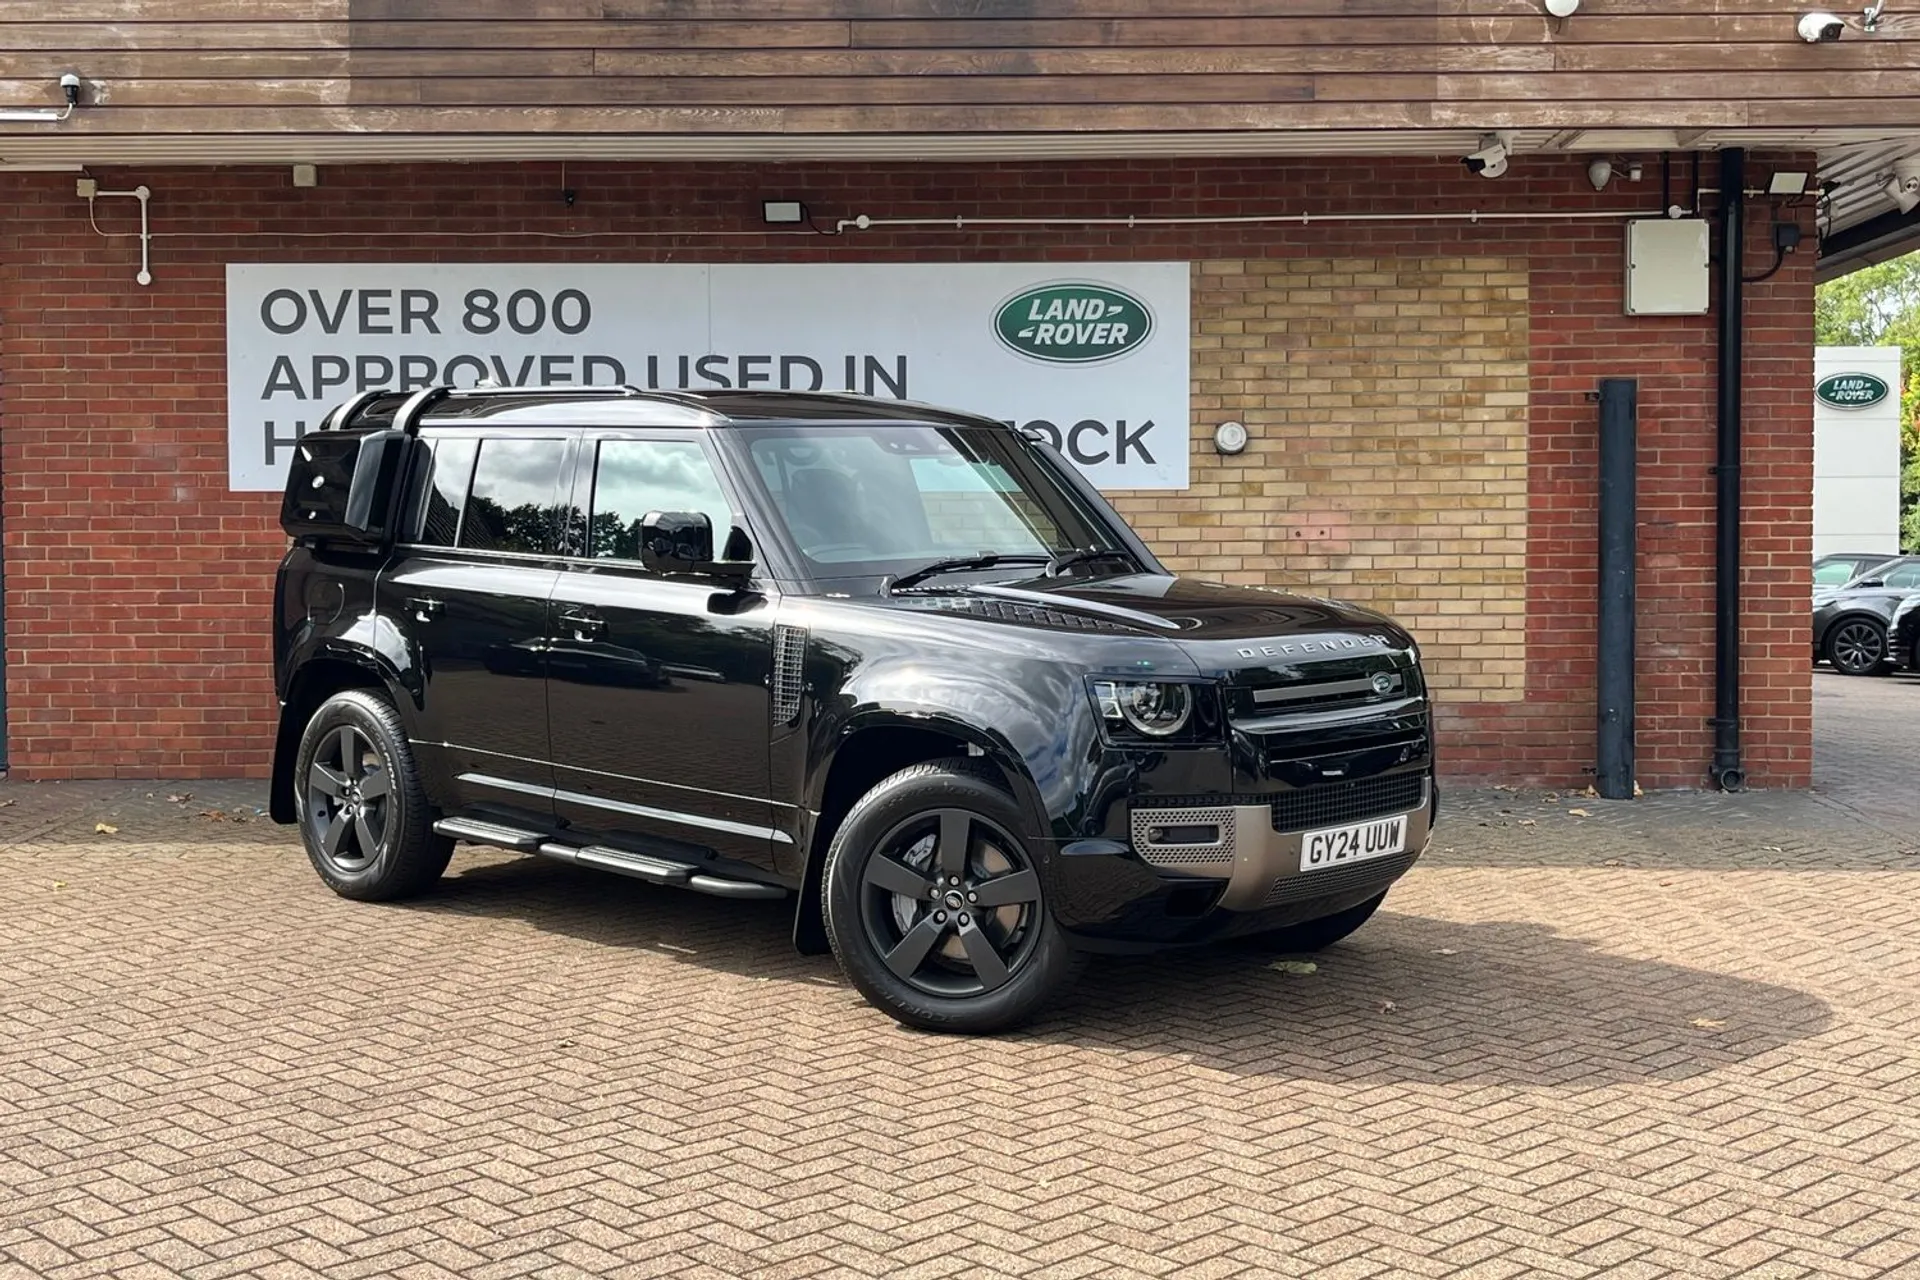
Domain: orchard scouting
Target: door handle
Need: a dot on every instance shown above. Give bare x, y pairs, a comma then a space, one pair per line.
585, 626
425, 607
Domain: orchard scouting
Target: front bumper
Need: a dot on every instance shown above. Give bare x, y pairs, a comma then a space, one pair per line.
1262, 867
1153, 892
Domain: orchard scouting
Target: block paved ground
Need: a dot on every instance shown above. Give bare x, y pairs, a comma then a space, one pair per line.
1679, 1036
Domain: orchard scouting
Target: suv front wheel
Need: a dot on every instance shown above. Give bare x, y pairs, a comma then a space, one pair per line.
362, 814
934, 905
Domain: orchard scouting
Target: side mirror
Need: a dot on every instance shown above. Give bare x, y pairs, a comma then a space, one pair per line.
1871, 582
681, 542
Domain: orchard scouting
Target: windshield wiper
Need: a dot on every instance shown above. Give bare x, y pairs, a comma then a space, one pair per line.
960, 564
1084, 555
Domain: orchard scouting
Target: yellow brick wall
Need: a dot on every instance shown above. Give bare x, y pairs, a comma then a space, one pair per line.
1387, 405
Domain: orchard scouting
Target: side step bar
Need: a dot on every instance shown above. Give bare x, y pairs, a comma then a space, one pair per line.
493, 833
601, 858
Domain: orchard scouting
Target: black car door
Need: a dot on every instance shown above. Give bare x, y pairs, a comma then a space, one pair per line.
658, 691
470, 593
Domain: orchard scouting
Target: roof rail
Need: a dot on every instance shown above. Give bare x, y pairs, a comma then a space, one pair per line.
346, 411
582, 390
407, 417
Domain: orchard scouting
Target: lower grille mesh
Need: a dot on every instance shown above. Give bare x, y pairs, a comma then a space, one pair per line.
1338, 880
1332, 803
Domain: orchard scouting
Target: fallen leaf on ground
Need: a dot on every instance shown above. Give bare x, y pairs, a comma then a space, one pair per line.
1591, 793
1295, 966
1637, 792
1388, 1006
213, 815
59, 884
1550, 797
1612, 862
180, 797
1579, 813
105, 828
5, 803
1528, 822
1446, 951
1708, 1024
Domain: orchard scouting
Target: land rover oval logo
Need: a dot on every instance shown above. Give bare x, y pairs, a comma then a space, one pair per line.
1073, 323
1851, 390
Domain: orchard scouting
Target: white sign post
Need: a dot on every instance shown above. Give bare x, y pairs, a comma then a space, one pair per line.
1096, 355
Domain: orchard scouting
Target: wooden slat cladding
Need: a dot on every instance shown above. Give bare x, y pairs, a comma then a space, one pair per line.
946, 66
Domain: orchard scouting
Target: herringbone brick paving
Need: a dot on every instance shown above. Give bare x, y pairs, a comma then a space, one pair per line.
1677, 1037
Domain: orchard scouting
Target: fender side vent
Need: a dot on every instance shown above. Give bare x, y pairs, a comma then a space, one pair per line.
789, 672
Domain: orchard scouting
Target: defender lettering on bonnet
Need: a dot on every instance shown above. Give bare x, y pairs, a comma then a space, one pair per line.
1073, 323
1289, 649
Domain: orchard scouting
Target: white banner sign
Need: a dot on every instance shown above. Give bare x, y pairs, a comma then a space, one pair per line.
1093, 354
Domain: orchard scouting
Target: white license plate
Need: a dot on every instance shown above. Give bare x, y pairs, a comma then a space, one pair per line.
1338, 846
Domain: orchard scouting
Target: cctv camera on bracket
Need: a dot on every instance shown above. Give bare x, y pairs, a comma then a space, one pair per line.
1821, 28
1490, 161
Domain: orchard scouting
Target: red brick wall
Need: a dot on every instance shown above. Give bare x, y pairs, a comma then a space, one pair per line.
138, 588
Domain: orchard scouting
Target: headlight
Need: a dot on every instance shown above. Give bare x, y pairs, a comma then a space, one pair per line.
1157, 712
1910, 605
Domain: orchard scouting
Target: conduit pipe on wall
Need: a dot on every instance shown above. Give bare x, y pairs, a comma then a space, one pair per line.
961, 222
1726, 770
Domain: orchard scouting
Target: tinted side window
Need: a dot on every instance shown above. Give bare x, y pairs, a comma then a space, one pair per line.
633, 477
511, 506
446, 467
1907, 575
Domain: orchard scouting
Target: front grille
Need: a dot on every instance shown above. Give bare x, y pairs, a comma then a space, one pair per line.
1338, 880
1331, 804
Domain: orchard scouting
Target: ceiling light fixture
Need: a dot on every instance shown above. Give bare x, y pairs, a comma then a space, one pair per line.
1563, 8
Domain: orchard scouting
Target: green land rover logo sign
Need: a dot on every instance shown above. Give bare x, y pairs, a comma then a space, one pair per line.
1851, 390
1073, 323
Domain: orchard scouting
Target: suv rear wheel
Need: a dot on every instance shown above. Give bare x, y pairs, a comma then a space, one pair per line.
934, 907
363, 817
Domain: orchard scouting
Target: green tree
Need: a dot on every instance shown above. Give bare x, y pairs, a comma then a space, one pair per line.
1880, 306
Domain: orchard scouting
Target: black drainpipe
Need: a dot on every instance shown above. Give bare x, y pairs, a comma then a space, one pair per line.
1726, 771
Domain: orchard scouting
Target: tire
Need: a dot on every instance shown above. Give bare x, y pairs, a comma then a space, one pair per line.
914, 945
1857, 646
1318, 935
363, 817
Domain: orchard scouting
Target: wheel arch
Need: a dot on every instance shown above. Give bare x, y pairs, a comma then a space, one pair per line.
875, 745
327, 672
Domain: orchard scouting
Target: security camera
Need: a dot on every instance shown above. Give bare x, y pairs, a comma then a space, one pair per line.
1821, 28
1903, 187
1490, 161
70, 86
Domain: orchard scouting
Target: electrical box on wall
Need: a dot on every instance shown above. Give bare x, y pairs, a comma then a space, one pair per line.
1667, 267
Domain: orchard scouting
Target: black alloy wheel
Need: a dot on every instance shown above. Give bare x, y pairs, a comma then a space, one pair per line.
951, 904
935, 906
1857, 647
349, 794
364, 817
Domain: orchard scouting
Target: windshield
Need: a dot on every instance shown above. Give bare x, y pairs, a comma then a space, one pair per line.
889, 498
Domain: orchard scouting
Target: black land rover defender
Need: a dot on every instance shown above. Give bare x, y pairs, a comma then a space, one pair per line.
900, 664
